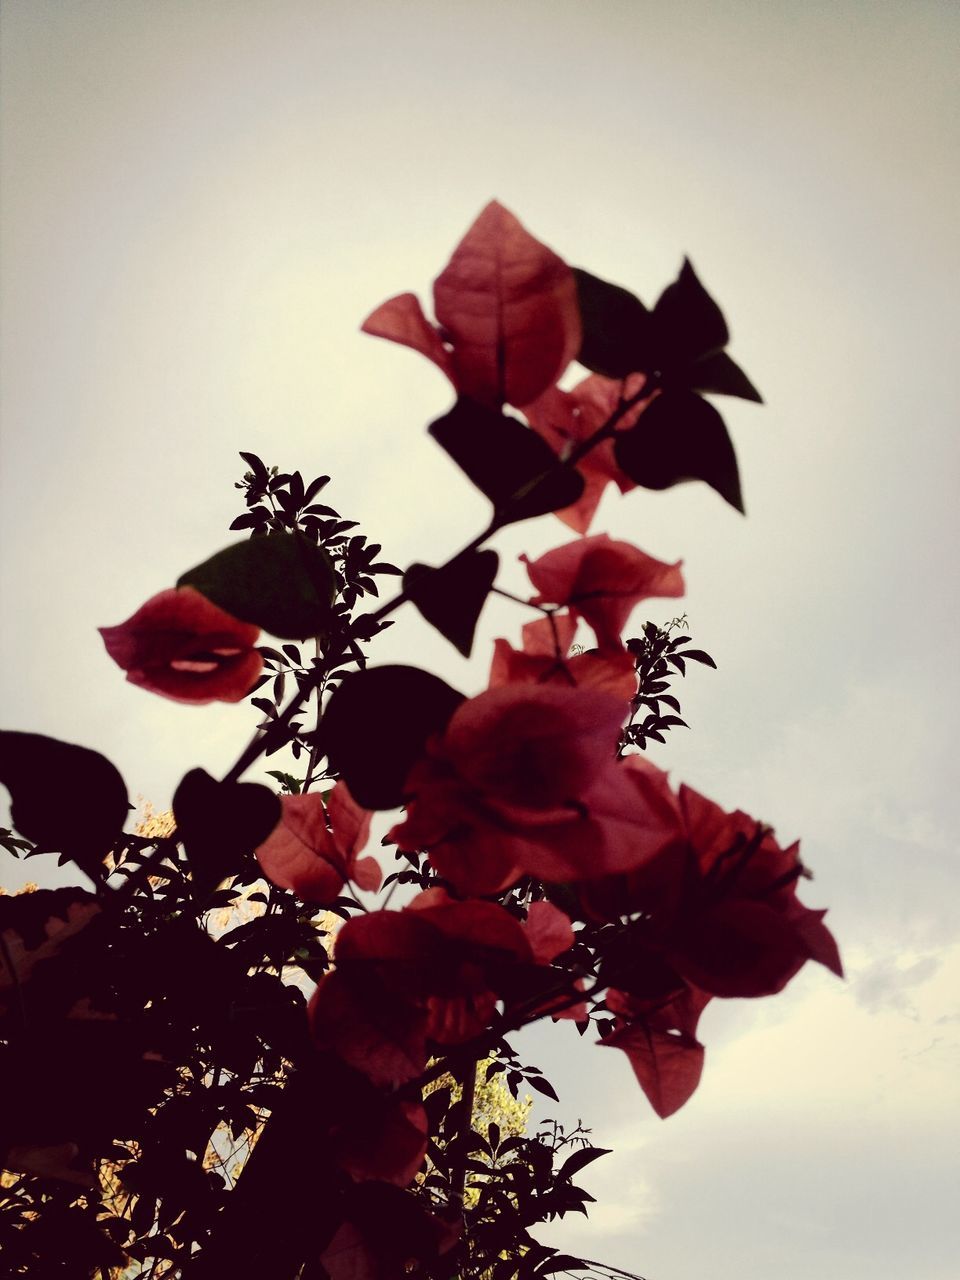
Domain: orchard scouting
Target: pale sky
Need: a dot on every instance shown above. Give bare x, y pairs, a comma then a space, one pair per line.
202, 200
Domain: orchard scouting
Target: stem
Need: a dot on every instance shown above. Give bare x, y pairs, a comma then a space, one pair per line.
458, 1172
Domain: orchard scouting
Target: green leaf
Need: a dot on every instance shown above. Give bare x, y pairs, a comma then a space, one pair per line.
680, 437
688, 323
376, 725
698, 655
282, 583
65, 798
220, 823
452, 597
512, 465
723, 376
617, 333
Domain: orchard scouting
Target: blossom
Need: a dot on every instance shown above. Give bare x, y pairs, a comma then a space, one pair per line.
544, 659
602, 581
429, 974
508, 320
661, 1045
182, 646
565, 419
525, 781
313, 849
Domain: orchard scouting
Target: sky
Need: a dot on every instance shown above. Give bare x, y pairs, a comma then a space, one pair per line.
202, 200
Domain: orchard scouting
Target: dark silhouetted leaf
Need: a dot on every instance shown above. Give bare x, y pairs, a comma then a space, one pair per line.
579, 1160
688, 323
376, 725
282, 583
504, 458
219, 823
65, 798
698, 655
542, 1086
617, 332
723, 376
680, 437
451, 598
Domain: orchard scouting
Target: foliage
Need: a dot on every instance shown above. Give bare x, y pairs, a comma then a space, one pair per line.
182, 1031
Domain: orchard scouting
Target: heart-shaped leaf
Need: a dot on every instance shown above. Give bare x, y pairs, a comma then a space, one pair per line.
220, 823
283, 583
512, 465
376, 726
617, 330
680, 437
451, 597
65, 798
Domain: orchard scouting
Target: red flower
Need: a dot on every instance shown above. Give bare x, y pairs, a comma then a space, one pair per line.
525, 781
745, 932
313, 849
566, 418
430, 973
602, 581
180, 645
507, 312
543, 660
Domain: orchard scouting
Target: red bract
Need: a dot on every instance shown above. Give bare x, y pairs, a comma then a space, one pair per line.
313, 850
507, 312
544, 660
602, 581
525, 781
432, 972
745, 932
566, 418
661, 1045
180, 645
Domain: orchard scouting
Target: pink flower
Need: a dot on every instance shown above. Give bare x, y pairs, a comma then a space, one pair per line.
602, 581
544, 660
313, 849
507, 313
180, 645
524, 781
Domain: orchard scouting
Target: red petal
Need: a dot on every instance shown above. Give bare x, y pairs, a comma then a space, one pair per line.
401, 319
300, 854
180, 645
603, 581
509, 306
667, 1064
549, 931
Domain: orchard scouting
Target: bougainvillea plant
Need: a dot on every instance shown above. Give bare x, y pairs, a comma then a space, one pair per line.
541, 867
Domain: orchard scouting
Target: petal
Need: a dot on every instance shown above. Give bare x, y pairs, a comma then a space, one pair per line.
401, 319
300, 853
509, 306
182, 646
668, 1064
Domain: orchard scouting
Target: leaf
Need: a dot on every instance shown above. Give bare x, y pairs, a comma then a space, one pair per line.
260, 473
698, 655
281, 582
689, 325
376, 726
579, 1160
617, 331
542, 1086
680, 437
220, 823
63, 797
450, 598
721, 375
504, 458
